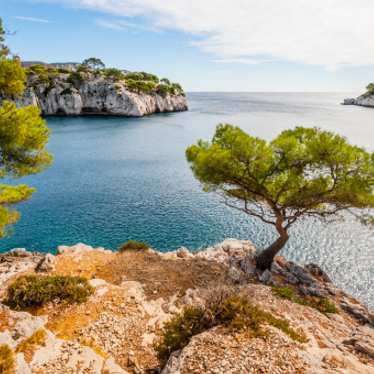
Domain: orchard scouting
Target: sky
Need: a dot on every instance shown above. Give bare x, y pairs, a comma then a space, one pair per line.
206, 45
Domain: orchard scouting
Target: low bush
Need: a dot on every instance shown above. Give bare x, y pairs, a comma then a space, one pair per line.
66, 91
140, 85
7, 360
114, 74
133, 245
179, 331
235, 312
75, 78
142, 76
322, 304
31, 291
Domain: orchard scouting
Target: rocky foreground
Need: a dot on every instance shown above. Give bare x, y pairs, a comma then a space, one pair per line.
136, 292
96, 95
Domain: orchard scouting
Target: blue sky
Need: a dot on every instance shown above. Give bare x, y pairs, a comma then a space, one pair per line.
215, 45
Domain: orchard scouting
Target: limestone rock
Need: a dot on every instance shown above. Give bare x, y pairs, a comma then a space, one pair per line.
97, 95
46, 264
363, 100
363, 340
20, 252
183, 252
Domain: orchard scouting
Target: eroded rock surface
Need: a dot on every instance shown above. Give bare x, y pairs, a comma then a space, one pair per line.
363, 100
97, 95
114, 331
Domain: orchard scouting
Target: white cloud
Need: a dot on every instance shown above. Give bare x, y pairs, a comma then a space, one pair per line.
122, 25
331, 33
32, 19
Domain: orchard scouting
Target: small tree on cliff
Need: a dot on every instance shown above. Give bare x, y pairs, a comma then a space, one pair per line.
305, 172
370, 88
23, 136
93, 63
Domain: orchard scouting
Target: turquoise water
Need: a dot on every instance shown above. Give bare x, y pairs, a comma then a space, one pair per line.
116, 179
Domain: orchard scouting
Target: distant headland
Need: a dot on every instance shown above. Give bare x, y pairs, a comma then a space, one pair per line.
367, 99
89, 88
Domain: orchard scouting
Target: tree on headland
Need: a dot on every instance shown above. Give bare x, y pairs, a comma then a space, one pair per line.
304, 172
93, 63
23, 137
370, 88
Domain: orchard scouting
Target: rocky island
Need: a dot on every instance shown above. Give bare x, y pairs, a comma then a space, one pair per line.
366, 100
91, 89
92, 310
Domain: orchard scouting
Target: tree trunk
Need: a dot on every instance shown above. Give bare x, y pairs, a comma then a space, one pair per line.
266, 257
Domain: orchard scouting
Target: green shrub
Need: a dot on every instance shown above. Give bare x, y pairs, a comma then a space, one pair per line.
165, 81
179, 331
133, 245
113, 73
142, 76
322, 304
162, 89
140, 86
34, 291
67, 91
75, 78
7, 361
234, 312
63, 71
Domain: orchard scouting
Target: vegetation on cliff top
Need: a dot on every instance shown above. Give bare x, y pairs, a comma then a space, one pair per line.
23, 137
304, 172
133, 245
370, 89
140, 82
35, 291
322, 304
235, 312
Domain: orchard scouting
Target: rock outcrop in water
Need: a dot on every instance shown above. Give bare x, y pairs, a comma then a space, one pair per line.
136, 292
366, 100
59, 92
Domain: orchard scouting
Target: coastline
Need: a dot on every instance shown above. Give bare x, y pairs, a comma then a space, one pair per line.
138, 291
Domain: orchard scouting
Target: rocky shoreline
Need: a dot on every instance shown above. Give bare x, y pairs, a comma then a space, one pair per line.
99, 97
363, 100
79, 94
136, 292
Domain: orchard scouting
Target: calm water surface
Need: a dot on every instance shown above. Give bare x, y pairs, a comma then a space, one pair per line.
116, 179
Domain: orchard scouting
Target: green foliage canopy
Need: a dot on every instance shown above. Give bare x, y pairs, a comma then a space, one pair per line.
304, 172
93, 63
23, 137
370, 88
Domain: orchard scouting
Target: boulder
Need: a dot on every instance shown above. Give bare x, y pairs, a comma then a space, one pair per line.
46, 264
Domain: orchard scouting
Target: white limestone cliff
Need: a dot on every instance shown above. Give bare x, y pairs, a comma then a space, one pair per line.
97, 95
366, 100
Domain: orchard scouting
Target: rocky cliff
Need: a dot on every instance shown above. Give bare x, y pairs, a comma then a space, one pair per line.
90, 93
137, 292
366, 100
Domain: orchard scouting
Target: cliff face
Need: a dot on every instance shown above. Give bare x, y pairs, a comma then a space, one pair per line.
97, 95
366, 100
136, 292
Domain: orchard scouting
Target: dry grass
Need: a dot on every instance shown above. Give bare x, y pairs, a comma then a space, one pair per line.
87, 267
66, 322
161, 277
5, 323
90, 343
7, 361
31, 344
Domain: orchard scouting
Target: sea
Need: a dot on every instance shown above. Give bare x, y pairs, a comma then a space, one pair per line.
115, 179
